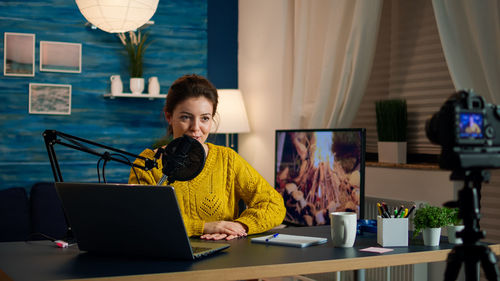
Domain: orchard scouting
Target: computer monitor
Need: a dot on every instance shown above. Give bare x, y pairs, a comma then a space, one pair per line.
320, 171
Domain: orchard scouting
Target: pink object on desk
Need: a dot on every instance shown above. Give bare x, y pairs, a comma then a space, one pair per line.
376, 250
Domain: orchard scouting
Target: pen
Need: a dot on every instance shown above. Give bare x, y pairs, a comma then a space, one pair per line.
384, 208
411, 210
403, 214
400, 209
271, 237
379, 207
385, 214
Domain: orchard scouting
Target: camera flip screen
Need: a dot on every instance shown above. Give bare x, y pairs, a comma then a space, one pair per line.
471, 126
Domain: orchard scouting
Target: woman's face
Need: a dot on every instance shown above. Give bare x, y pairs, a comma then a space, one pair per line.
192, 117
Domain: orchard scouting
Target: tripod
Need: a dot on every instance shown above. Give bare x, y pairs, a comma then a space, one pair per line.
471, 252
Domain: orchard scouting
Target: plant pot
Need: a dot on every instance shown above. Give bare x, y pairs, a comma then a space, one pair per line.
431, 236
452, 233
136, 85
392, 152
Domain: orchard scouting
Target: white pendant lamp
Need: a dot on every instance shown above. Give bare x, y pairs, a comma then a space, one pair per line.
116, 16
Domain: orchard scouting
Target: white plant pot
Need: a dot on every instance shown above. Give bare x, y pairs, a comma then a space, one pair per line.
136, 85
431, 236
392, 152
452, 233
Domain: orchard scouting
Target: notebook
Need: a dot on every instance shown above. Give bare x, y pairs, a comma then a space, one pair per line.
290, 240
123, 219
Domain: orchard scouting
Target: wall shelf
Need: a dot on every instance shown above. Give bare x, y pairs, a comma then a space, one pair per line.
130, 95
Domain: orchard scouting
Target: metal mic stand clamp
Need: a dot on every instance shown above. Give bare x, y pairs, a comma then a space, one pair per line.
471, 252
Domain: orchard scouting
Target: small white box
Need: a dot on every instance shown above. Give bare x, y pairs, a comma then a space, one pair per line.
392, 232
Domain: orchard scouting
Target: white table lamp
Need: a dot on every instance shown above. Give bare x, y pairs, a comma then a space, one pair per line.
231, 115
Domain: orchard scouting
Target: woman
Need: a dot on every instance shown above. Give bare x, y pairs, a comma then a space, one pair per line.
209, 202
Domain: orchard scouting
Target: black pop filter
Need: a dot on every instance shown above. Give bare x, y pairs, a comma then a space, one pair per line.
183, 159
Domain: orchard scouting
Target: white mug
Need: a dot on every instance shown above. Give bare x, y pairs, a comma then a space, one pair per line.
343, 228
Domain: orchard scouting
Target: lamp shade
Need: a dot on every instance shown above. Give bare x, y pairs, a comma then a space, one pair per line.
117, 16
232, 116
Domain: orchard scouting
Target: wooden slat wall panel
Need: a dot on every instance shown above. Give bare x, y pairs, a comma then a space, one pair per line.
490, 208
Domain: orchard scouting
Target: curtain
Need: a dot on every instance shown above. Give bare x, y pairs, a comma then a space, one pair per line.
470, 35
333, 48
301, 64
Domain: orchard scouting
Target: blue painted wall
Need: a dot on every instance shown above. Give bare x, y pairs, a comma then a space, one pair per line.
222, 59
180, 35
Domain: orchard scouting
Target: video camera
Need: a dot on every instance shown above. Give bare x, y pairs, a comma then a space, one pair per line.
468, 130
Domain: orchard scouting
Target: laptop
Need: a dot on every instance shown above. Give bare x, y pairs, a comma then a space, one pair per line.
123, 219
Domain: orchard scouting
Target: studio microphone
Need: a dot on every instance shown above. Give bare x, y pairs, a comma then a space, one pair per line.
182, 159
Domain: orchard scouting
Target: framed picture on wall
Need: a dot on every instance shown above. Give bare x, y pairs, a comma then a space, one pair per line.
19, 54
60, 57
50, 99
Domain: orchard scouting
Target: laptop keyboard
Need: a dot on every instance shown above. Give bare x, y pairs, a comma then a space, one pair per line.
203, 249
199, 249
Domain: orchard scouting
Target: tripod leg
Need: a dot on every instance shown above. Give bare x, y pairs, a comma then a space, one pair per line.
489, 264
471, 269
453, 264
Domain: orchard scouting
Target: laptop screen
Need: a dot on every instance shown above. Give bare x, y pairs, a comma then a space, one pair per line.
136, 220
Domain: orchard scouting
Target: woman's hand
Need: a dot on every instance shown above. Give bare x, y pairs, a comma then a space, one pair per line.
228, 230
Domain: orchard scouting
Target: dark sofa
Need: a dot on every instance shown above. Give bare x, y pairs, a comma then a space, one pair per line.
34, 216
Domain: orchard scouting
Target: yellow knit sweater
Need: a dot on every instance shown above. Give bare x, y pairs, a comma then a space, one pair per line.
214, 194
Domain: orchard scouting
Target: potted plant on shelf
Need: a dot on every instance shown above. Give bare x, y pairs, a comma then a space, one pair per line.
392, 122
135, 46
429, 220
455, 225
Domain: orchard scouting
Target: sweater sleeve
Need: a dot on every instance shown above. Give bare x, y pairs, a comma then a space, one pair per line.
194, 227
265, 206
142, 177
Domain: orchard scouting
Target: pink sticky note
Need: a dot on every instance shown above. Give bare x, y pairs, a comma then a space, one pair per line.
377, 250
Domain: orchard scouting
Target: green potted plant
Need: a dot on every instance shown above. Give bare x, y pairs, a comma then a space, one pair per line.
135, 46
455, 225
429, 220
392, 120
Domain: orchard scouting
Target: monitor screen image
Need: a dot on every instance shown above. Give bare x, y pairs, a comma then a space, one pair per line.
320, 171
471, 125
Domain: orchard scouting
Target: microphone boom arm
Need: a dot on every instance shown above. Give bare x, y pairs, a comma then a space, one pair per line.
53, 137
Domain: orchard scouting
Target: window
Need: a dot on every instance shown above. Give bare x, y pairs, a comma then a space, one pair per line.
409, 63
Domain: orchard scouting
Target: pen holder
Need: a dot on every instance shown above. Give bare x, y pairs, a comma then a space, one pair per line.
392, 232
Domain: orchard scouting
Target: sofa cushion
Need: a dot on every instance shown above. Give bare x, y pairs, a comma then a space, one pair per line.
47, 215
14, 215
